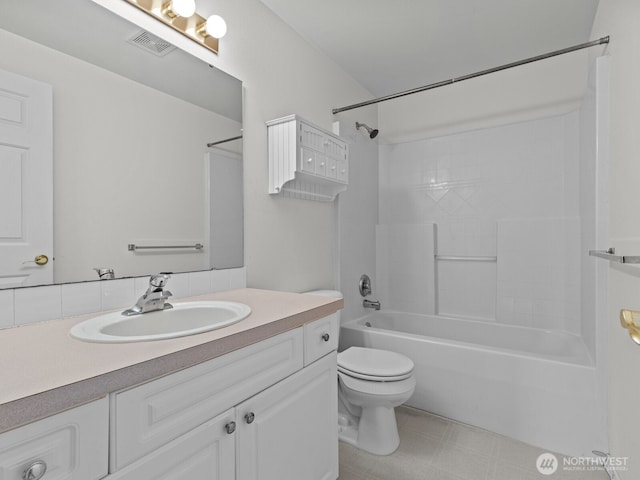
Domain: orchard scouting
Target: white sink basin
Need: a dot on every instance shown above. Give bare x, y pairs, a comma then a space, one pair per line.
183, 319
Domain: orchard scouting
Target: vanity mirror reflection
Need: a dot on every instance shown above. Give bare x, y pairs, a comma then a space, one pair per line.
132, 117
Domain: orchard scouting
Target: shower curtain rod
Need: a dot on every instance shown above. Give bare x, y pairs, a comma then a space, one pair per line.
444, 83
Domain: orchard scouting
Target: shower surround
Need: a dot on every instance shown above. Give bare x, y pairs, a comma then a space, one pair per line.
494, 225
495, 213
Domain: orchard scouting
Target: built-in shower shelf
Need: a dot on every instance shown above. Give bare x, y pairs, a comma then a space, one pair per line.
610, 254
306, 161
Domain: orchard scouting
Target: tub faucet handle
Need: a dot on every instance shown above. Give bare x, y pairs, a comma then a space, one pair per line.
365, 285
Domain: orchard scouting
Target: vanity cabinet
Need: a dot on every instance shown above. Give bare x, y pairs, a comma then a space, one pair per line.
71, 445
263, 412
151, 415
267, 411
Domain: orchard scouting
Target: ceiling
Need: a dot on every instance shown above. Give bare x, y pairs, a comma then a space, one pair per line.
393, 45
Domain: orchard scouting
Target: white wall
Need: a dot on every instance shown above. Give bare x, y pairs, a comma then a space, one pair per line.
621, 20
358, 215
119, 185
289, 243
550, 87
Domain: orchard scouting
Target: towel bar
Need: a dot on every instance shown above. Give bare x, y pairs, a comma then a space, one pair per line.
132, 247
610, 254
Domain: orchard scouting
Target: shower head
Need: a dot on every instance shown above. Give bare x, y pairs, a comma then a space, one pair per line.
373, 132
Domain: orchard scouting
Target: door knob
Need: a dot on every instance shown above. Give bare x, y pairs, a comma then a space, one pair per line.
39, 260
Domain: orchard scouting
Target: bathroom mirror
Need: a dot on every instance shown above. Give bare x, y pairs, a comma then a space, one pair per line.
132, 117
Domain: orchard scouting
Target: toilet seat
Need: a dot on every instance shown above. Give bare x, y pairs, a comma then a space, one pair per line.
374, 365
373, 378
379, 389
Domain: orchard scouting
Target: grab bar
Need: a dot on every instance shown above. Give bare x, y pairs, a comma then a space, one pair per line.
132, 247
610, 254
453, 258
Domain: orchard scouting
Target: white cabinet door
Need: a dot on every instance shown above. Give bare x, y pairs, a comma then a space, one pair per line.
207, 452
290, 431
71, 445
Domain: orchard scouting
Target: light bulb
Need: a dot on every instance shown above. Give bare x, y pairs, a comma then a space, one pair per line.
216, 26
183, 8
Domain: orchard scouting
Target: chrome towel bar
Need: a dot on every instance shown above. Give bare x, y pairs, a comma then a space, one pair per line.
132, 247
610, 254
452, 258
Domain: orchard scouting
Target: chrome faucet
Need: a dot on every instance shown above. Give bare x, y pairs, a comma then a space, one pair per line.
375, 304
155, 298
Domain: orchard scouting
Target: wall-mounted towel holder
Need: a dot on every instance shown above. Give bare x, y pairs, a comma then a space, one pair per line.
610, 254
133, 247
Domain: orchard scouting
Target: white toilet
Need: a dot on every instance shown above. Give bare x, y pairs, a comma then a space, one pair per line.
371, 383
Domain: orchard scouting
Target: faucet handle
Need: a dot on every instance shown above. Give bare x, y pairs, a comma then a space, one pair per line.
159, 280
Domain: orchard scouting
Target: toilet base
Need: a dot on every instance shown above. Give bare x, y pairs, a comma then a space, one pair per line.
375, 432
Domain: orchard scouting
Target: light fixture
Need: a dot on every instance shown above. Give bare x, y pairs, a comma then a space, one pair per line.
181, 16
179, 8
214, 26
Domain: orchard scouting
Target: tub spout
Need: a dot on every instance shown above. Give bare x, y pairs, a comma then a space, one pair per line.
375, 304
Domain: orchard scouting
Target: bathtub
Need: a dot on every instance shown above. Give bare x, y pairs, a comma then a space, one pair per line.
536, 386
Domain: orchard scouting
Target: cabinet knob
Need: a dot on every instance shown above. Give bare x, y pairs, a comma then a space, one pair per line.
325, 337
230, 427
250, 417
309, 160
35, 471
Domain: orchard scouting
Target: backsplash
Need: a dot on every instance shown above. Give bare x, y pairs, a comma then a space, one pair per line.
22, 306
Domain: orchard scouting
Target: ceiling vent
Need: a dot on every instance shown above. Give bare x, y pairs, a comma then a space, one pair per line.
151, 43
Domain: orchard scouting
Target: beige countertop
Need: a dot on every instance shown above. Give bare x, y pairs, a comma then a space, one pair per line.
45, 371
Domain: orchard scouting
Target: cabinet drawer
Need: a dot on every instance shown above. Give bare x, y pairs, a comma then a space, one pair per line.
320, 338
148, 416
207, 452
308, 161
72, 444
332, 168
343, 171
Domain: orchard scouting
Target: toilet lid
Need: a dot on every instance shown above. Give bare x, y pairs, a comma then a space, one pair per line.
374, 364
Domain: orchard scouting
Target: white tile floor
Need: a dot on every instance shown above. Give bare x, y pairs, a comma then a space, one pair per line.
433, 447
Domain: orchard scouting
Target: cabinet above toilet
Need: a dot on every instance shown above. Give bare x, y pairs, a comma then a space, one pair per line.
306, 161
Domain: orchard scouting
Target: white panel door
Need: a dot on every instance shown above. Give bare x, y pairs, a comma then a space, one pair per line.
26, 180
290, 431
205, 453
